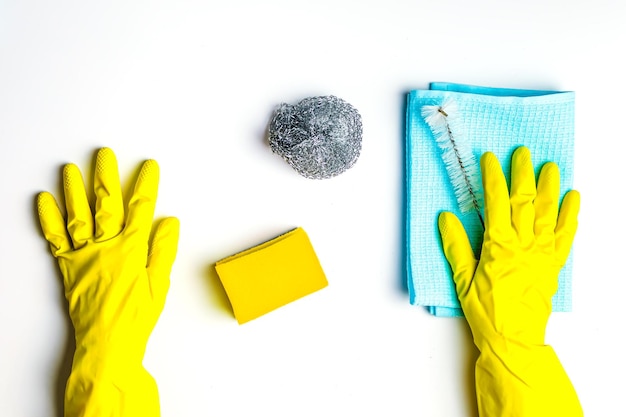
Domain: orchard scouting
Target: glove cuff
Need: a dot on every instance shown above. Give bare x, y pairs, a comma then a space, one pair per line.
514, 379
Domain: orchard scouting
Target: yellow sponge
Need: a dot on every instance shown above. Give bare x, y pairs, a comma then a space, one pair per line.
270, 275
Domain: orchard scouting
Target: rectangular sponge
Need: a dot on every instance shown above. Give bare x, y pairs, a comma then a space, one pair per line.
270, 275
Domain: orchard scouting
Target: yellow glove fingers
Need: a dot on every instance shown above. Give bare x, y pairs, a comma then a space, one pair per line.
523, 193
547, 203
109, 202
496, 195
458, 251
143, 201
79, 216
53, 224
162, 254
566, 225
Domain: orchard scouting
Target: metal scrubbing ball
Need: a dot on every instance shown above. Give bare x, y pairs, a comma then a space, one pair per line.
320, 137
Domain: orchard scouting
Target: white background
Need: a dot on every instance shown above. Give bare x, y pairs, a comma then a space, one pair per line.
192, 84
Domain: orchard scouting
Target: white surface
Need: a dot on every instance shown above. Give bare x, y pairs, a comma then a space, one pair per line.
192, 84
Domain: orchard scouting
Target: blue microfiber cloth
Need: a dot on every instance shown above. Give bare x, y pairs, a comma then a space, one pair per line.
494, 119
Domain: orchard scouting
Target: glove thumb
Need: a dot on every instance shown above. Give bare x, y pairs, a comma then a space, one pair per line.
458, 251
162, 254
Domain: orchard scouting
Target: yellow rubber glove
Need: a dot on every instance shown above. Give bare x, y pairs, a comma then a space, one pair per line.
115, 283
506, 295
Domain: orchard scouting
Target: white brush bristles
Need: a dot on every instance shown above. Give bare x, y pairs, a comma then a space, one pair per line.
457, 155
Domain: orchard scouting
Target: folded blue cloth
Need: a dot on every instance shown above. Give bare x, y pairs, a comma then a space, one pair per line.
497, 120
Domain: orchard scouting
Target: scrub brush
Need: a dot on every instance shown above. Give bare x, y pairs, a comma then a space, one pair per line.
457, 155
